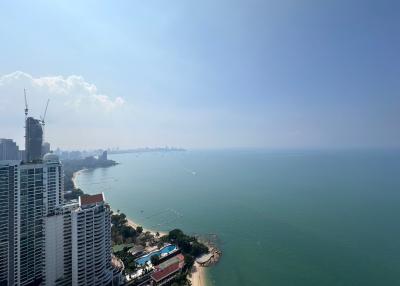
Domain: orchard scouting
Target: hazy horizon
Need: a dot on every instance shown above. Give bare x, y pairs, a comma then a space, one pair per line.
215, 74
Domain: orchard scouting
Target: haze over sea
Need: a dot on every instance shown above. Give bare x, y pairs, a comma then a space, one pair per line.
282, 217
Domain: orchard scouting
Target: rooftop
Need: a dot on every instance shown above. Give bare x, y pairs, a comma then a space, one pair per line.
162, 274
51, 157
91, 199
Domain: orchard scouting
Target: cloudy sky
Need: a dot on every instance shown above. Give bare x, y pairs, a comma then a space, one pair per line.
203, 74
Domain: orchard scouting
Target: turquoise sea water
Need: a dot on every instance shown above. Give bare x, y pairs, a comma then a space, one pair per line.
282, 217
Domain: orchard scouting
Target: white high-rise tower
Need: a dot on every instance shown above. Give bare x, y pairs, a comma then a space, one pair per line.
22, 190
91, 242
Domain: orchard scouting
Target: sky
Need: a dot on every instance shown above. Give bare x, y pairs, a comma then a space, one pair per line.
203, 74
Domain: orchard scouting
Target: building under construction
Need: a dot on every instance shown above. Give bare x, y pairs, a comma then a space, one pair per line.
33, 139
34, 129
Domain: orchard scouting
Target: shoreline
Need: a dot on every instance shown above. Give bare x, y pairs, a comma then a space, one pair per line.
134, 224
197, 276
75, 175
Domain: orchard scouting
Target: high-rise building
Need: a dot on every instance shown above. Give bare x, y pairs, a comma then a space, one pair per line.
78, 244
22, 189
8, 195
30, 214
43, 240
54, 181
58, 245
8, 150
33, 139
91, 242
30, 193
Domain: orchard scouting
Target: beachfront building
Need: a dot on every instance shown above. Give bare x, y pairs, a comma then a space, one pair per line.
91, 242
167, 270
78, 244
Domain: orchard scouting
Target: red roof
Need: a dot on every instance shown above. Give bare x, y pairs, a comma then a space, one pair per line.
91, 199
162, 274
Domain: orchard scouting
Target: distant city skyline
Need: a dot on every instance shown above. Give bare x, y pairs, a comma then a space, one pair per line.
210, 74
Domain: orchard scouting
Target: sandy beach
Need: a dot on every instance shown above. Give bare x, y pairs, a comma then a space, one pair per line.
135, 225
74, 176
198, 277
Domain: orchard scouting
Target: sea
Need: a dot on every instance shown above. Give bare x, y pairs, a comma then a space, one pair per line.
280, 217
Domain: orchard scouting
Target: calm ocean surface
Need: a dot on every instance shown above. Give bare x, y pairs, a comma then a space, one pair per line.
283, 217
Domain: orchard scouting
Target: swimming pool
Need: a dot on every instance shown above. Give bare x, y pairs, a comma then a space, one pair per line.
162, 252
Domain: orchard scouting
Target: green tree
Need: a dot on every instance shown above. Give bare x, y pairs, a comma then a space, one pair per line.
189, 261
155, 259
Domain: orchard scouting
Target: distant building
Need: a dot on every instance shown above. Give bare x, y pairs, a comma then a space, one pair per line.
33, 139
8, 150
70, 155
45, 148
75, 155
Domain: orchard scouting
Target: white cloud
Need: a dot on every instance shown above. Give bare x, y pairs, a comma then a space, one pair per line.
79, 114
75, 89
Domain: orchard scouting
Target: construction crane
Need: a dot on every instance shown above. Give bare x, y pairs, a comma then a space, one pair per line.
26, 104
42, 118
44, 114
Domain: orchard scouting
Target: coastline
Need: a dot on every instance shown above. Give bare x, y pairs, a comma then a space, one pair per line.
74, 176
198, 274
135, 225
